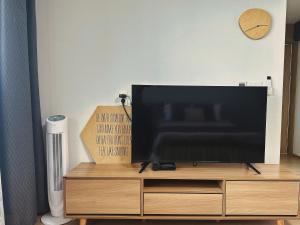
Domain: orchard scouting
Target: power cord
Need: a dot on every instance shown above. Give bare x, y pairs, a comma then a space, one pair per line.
123, 100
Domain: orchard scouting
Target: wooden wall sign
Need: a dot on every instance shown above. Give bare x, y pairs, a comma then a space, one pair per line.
107, 135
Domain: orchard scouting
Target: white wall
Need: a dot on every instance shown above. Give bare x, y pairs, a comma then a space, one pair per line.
89, 51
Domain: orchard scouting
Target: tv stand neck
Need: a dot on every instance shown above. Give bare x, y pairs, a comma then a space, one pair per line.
144, 166
250, 165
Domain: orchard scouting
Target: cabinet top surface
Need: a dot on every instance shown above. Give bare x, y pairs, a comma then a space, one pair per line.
184, 171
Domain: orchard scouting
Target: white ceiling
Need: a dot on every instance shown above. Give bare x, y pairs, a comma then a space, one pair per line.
293, 11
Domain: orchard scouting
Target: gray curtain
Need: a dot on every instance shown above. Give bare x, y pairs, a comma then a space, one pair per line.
23, 166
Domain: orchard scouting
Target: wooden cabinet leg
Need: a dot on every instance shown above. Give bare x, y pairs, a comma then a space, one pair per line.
82, 221
280, 222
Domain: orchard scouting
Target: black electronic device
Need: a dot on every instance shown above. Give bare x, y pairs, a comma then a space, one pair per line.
225, 124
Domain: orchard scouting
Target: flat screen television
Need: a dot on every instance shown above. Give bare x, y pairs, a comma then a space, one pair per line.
198, 123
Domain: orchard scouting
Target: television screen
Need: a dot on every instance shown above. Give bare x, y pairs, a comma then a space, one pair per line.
198, 123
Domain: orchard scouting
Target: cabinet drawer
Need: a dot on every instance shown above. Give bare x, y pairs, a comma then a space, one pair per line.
262, 198
102, 196
183, 204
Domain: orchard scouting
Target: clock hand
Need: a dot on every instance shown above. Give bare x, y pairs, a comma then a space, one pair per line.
259, 25
251, 28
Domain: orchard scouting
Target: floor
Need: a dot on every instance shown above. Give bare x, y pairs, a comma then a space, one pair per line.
292, 163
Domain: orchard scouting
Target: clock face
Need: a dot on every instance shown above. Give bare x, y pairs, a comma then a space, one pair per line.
255, 23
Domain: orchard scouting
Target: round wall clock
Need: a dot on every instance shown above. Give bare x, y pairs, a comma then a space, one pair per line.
255, 23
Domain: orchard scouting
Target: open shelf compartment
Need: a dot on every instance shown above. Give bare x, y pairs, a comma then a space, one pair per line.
183, 186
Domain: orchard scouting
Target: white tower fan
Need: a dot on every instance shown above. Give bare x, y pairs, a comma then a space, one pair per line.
57, 167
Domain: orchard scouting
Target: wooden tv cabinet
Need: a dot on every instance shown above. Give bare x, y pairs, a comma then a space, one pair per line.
205, 192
